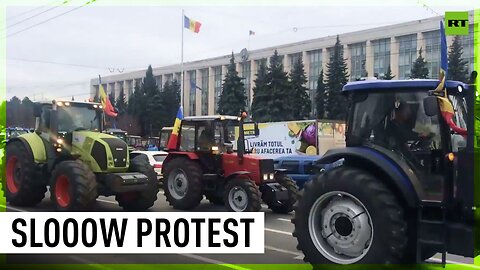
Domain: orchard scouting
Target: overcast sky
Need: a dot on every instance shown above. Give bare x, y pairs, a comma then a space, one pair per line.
108, 40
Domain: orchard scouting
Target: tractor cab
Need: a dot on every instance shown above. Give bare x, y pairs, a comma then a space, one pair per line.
204, 162
121, 134
164, 137
134, 142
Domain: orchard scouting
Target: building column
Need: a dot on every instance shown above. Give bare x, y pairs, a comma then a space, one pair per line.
198, 93
347, 55
253, 76
186, 94
325, 60
211, 91
286, 63
369, 60
394, 55
421, 43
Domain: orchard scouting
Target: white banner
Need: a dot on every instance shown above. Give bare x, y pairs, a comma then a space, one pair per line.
129, 233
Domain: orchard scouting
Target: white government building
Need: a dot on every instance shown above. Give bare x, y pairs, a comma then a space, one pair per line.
372, 50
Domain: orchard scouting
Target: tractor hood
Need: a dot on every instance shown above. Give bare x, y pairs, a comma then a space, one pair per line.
102, 152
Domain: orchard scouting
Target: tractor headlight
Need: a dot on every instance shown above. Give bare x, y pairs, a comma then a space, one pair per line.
60, 141
271, 176
265, 176
214, 148
67, 103
460, 88
60, 104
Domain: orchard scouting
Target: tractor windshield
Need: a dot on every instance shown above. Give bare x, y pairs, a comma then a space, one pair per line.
75, 118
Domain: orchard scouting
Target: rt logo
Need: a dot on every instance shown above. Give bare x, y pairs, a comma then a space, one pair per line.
456, 23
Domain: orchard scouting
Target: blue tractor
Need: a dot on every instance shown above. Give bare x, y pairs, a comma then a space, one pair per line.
405, 190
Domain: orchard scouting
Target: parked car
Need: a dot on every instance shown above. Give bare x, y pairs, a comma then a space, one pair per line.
155, 158
301, 168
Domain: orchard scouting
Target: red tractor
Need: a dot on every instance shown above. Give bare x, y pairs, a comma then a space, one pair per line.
205, 163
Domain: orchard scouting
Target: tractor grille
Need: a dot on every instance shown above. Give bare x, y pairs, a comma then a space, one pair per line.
119, 151
266, 166
100, 155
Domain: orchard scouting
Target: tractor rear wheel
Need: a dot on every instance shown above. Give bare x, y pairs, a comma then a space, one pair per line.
182, 183
23, 188
347, 215
73, 186
286, 206
141, 200
242, 195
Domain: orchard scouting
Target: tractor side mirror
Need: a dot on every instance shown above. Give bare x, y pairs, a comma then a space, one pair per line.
257, 131
430, 105
37, 109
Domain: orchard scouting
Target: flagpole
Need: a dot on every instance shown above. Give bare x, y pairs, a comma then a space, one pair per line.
181, 65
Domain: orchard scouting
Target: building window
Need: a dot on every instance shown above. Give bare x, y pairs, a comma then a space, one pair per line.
407, 48
293, 59
204, 91
158, 80
315, 66
467, 43
358, 57
381, 57
192, 86
177, 76
217, 78
432, 52
168, 77
246, 71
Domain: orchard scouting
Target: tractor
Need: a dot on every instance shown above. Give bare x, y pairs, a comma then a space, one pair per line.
204, 162
164, 137
405, 190
69, 153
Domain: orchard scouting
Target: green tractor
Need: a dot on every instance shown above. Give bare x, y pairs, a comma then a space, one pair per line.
69, 153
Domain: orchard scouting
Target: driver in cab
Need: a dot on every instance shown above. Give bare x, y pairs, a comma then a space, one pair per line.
401, 126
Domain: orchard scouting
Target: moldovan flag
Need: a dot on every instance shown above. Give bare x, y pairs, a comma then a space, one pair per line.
107, 106
445, 105
173, 141
194, 26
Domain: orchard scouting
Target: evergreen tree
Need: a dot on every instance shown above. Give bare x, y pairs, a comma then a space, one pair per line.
320, 97
120, 103
419, 68
260, 111
278, 91
457, 66
233, 98
170, 100
388, 75
299, 99
151, 104
337, 77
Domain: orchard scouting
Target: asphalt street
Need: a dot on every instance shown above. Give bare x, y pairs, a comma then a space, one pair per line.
280, 245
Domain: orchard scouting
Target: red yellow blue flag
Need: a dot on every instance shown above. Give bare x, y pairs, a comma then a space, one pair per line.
173, 141
193, 25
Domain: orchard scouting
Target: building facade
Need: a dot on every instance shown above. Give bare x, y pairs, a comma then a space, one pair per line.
368, 53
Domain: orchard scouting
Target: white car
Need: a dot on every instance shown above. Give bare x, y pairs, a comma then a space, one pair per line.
155, 158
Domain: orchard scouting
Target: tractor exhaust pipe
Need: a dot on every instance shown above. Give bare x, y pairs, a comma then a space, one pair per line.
241, 138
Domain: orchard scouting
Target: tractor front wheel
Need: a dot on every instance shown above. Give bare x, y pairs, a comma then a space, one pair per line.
346, 216
182, 183
23, 188
140, 201
285, 206
242, 195
73, 186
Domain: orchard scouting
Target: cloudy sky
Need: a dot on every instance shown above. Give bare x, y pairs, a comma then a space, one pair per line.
57, 58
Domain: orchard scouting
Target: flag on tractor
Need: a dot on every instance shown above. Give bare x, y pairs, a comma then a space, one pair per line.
446, 107
193, 25
173, 141
107, 106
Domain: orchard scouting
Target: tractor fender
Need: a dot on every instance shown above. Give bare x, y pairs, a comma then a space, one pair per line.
33, 143
399, 174
172, 155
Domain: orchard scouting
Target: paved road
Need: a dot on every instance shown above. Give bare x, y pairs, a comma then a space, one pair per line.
280, 246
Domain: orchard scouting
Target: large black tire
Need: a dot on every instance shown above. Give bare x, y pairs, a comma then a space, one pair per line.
248, 190
182, 183
286, 206
140, 201
73, 186
386, 216
23, 188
